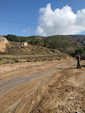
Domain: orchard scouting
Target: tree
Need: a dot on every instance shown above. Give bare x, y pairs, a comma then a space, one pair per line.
79, 51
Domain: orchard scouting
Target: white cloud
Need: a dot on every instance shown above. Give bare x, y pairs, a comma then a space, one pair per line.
60, 21
26, 31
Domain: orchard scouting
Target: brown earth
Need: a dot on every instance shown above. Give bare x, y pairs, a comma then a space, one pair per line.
42, 87
3, 43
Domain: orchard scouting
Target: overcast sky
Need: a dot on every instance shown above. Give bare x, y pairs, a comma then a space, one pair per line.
42, 17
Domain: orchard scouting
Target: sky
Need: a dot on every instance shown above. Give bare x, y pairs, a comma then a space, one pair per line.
42, 17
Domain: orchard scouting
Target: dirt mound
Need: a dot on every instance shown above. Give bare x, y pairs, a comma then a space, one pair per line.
66, 95
3, 43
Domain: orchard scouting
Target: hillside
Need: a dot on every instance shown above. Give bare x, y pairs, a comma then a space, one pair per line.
24, 52
36, 48
66, 43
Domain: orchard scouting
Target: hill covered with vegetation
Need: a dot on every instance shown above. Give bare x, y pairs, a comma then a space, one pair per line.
63, 43
43, 48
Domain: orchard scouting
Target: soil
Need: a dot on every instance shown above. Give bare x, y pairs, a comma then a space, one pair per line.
42, 87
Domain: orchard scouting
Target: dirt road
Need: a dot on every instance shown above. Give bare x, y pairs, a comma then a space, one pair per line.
42, 87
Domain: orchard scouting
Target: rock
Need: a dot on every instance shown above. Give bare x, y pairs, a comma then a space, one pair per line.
3, 44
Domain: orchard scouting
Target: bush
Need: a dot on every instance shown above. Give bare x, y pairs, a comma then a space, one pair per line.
79, 51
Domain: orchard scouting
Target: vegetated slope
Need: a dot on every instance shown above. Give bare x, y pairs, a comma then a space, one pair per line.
25, 52
79, 38
46, 45
16, 48
66, 43
71, 44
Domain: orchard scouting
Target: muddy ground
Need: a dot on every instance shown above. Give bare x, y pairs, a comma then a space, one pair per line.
42, 87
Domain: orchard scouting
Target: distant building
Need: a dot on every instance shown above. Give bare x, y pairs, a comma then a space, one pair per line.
24, 44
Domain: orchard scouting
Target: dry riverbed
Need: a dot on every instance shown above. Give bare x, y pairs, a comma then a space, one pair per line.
42, 87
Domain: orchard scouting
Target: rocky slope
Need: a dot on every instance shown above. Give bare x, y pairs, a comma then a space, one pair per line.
3, 43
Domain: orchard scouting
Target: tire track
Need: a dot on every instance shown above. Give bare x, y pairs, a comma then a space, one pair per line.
11, 84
